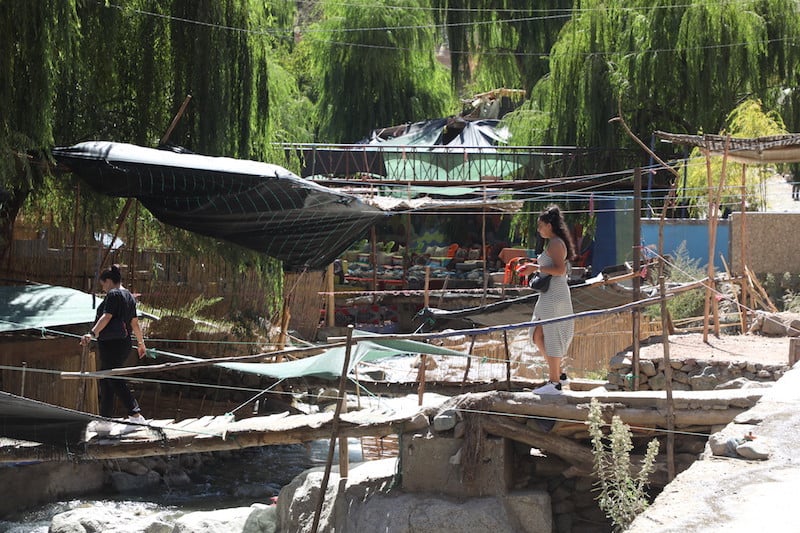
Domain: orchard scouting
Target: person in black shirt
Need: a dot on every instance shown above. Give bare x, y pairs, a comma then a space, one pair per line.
116, 319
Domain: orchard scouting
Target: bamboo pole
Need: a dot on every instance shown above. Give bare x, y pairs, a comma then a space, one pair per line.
334, 430
668, 384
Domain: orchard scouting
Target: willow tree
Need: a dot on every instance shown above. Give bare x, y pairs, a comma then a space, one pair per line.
668, 65
34, 36
500, 43
89, 70
375, 66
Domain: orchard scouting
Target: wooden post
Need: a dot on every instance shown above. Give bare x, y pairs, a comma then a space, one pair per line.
713, 217
794, 350
667, 382
175, 119
423, 363
745, 296
508, 361
334, 430
134, 245
79, 405
426, 299
330, 319
344, 451
483, 250
120, 221
374, 260
75, 236
637, 279
285, 315
469, 360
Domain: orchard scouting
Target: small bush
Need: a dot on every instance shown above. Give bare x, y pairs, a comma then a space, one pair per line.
622, 495
689, 304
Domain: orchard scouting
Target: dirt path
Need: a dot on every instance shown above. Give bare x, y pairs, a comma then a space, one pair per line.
750, 348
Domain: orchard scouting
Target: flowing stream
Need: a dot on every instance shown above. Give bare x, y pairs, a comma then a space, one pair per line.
230, 479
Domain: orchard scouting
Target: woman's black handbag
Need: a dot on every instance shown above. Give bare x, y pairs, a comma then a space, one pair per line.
539, 282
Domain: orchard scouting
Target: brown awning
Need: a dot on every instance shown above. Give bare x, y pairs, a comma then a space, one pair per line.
751, 151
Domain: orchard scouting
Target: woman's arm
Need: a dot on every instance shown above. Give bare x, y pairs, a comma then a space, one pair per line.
137, 330
99, 326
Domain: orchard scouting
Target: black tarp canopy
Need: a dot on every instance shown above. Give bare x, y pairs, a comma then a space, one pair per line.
261, 206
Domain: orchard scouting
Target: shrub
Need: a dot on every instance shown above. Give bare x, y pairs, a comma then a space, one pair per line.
622, 495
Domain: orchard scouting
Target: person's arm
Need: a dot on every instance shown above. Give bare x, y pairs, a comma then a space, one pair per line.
99, 326
137, 331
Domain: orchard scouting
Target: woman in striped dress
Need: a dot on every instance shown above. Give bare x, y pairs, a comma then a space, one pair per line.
553, 340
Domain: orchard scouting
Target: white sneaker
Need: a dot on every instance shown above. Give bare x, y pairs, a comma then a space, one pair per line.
563, 381
548, 388
136, 419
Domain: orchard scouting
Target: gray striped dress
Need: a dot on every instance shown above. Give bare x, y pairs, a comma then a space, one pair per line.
556, 302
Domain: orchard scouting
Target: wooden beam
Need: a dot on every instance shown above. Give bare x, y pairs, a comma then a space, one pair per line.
567, 449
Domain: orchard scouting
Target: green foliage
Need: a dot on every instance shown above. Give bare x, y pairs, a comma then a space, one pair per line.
748, 119
682, 269
507, 41
374, 65
623, 495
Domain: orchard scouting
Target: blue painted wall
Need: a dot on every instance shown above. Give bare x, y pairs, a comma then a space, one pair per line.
614, 236
695, 234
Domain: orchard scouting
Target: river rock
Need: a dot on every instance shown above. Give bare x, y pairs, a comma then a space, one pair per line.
362, 502
93, 519
257, 518
124, 482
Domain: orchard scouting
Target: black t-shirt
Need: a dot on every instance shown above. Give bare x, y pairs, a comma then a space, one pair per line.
121, 305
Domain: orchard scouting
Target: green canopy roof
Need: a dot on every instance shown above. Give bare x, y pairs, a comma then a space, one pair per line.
44, 306
328, 365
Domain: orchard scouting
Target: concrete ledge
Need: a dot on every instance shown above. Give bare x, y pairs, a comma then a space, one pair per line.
736, 494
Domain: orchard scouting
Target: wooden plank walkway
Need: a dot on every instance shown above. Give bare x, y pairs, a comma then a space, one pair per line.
214, 433
643, 411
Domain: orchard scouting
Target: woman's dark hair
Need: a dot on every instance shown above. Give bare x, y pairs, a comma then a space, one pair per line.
112, 273
552, 215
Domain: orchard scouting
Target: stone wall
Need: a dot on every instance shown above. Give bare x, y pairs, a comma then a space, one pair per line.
770, 242
690, 374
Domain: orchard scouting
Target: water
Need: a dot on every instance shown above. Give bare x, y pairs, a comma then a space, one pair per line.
230, 479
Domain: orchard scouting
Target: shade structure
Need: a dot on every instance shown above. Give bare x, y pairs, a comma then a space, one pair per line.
257, 205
